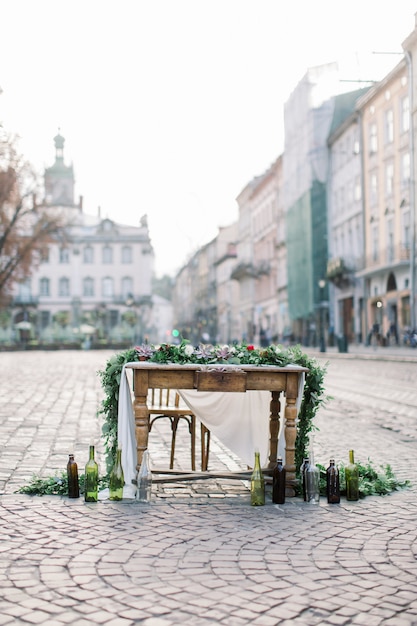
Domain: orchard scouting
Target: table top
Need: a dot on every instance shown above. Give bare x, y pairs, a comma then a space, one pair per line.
149, 365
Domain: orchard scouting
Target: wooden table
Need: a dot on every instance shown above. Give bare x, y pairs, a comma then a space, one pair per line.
223, 378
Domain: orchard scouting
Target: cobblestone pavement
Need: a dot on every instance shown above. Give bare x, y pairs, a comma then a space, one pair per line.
201, 554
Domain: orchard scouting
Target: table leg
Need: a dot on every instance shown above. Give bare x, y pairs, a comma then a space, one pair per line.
275, 407
290, 436
141, 413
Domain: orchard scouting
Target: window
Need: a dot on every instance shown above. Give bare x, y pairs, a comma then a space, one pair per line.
405, 227
107, 287
44, 287
405, 114
127, 287
64, 287
389, 126
88, 255
64, 255
405, 169
373, 138
126, 254
373, 189
107, 255
358, 188
390, 240
375, 241
44, 254
389, 179
88, 287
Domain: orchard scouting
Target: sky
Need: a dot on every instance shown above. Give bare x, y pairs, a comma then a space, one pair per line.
169, 108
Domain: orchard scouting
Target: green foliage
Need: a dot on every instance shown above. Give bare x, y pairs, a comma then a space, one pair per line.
372, 481
55, 485
206, 354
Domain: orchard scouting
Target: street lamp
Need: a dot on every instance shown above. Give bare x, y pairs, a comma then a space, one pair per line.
322, 284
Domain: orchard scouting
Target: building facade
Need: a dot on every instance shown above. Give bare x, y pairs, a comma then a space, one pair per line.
94, 283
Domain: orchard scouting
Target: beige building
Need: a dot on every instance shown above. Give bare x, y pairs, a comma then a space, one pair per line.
386, 163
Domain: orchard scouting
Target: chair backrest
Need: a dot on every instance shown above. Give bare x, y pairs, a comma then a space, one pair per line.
165, 398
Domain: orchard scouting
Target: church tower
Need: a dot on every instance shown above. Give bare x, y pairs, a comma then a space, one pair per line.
59, 178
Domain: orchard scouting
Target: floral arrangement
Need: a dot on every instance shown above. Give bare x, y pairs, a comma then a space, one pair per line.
243, 354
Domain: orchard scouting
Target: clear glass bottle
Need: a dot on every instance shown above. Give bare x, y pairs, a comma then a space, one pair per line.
144, 480
303, 477
91, 478
352, 478
278, 483
72, 476
312, 476
257, 483
117, 479
332, 483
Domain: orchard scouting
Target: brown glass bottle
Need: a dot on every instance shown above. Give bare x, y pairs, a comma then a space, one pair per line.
278, 483
72, 475
332, 483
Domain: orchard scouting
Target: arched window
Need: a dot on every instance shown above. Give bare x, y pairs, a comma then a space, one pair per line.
88, 255
127, 254
64, 287
44, 284
391, 283
64, 255
107, 255
127, 287
88, 286
107, 286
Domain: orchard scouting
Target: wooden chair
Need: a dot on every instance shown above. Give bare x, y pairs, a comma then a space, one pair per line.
166, 403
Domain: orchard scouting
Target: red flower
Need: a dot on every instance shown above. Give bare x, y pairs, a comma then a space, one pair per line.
250, 348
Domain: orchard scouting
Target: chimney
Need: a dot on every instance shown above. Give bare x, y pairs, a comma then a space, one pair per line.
80, 204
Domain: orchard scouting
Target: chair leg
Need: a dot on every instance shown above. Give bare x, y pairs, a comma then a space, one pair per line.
205, 447
174, 426
192, 433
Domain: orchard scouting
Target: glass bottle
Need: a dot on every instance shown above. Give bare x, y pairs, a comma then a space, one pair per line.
312, 476
72, 475
278, 483
257, 483
117, 479
91, 478
332, 483
303, 477
144, 480
352, 478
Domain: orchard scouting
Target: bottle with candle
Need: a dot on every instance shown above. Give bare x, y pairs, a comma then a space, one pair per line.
312, 476
257, 483
144, 480
117, 479
72, 476
91, 478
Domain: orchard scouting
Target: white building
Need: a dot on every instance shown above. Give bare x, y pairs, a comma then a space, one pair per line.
96, 282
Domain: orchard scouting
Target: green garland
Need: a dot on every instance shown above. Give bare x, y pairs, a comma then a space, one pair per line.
242, 354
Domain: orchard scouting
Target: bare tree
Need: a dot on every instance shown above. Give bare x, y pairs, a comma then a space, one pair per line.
25, 227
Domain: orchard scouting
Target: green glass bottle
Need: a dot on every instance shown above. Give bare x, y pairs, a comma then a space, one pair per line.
72, 476
91, 478
257, 483
117, 479
352, 478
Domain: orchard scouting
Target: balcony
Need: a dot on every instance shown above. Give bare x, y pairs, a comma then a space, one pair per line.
25, 300
339, 273
243, 270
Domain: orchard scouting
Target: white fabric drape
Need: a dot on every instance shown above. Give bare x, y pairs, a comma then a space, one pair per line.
239, 420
